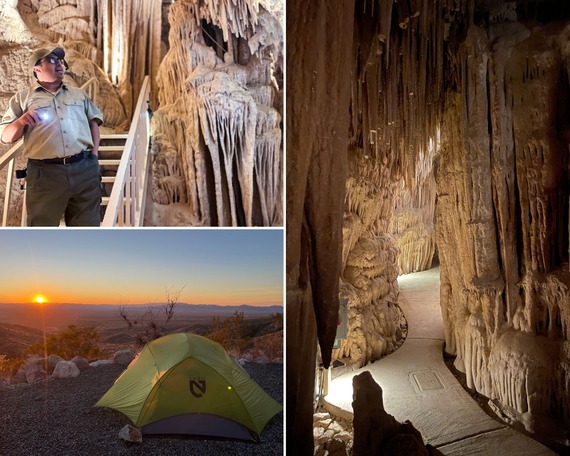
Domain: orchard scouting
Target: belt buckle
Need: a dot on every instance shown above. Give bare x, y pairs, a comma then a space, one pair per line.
65, 162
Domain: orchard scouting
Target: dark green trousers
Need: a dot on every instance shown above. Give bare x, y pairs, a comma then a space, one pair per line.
73, 191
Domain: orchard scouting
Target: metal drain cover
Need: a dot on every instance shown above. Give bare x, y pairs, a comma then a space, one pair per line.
427, 380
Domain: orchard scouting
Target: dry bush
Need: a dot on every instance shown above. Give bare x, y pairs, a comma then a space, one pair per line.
9, 366
153, 323
73, 341
230, 333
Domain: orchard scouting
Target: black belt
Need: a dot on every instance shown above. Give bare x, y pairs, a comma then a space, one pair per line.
65, 160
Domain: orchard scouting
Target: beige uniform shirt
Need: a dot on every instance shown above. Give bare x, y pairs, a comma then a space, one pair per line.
64, 127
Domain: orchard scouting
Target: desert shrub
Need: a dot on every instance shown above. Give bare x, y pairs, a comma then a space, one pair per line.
73, 341
9, 366
230, 333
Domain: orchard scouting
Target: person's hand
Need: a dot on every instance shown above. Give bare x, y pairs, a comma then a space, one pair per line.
29, 118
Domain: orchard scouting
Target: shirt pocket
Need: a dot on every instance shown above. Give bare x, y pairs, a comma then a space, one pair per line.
75, 109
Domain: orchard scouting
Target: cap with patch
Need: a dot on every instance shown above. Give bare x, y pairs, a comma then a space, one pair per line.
39, 54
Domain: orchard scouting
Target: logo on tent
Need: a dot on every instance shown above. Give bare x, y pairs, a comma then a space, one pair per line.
198, 387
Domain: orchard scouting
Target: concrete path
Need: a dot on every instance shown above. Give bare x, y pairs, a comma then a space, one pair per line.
418, 386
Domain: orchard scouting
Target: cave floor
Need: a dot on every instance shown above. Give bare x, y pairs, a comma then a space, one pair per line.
418, 386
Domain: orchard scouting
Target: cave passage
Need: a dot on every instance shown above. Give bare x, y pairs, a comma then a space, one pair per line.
418, 386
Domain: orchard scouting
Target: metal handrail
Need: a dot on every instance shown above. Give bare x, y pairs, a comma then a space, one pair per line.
8, 159
127, 199
92, 88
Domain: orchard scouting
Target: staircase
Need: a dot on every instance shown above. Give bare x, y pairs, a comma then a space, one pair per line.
110, 153
124, 167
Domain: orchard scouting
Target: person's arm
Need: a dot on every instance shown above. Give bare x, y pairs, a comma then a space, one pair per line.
14, 131
94, 127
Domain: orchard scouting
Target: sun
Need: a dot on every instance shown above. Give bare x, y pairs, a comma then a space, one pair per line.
39, 299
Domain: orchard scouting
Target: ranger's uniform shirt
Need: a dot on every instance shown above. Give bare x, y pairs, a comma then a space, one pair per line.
64, 127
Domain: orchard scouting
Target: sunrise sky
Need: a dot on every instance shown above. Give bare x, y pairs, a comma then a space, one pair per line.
223, 267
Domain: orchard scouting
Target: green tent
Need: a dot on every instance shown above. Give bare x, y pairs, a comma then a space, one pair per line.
187, 384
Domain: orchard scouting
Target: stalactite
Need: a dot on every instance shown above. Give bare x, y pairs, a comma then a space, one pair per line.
234, 155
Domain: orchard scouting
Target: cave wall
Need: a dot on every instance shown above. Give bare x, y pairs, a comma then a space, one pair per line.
502, 215
217, 145
369, 260
122, 37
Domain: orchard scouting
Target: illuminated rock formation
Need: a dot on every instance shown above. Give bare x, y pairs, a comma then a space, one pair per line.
370, 266
503, 204
218, 154
413, 220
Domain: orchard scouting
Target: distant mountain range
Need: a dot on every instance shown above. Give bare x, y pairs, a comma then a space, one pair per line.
52, 317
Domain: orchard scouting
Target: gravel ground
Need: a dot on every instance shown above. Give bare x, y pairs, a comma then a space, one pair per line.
57, 417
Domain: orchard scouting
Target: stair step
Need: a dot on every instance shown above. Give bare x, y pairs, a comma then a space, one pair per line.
115, 136
105, 162
108, 179
116, 140
111, 148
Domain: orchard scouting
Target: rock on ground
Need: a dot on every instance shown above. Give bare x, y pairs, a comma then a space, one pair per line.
80, 362
65, 369
52, 361
123, 357
34, 373
130, 434
101, 362
378, 432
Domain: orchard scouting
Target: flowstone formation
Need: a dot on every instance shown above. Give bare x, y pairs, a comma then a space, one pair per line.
369, 263
502, 214
376, 238
413, 222
217, 137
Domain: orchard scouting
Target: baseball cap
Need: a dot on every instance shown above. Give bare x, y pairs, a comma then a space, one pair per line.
39, 54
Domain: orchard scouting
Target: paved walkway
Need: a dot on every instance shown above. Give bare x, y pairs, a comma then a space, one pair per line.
418, 386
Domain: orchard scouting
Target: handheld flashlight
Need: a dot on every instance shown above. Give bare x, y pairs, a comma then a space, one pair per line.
44, 116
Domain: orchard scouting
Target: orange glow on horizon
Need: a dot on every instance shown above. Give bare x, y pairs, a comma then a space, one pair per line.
52, 295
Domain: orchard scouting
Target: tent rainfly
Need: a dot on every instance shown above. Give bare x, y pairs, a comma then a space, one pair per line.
187, 384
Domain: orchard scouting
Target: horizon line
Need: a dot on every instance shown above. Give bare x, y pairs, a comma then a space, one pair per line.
137, 304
